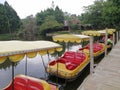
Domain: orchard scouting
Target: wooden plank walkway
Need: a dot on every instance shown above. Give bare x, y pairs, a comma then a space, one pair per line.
107, 73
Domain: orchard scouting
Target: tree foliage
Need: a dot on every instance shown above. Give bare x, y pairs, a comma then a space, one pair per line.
57, 13
13, 18
28, 29
101, 14
3, 20
50, 25
9, 20
93, 15
111, 13
50, 20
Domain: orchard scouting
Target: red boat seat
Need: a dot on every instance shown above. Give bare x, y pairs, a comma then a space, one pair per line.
69, 55
52, 63
33, 85
20, 83
24, 83
80, 56
71, 59
96, 47
60, 60
71, 66
75, 60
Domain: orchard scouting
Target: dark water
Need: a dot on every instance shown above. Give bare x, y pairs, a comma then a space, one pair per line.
36, 69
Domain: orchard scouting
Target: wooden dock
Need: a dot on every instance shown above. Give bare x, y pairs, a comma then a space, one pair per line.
107, 73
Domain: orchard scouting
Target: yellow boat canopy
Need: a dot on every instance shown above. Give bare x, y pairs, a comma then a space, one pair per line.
110, 31
15, 50
98, 33
71, 38
91, 33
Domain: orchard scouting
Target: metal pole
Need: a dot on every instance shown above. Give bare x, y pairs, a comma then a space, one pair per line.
48, 57
44, 67
117, 36
12, 75
57, 71
91, 56
106, 37
26, 65
67, 48
113, 42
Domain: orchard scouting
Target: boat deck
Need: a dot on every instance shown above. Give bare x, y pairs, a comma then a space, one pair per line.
107, 73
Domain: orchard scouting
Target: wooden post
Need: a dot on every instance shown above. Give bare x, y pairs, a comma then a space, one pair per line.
91, 56
106, 37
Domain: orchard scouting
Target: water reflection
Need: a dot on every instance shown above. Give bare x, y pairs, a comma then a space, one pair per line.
6, 64
35, 68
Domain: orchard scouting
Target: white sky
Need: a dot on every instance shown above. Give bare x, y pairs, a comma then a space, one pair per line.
27, 7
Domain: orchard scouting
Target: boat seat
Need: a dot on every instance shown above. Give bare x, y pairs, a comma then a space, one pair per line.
33, 85
80, 56
70, 66
74, 57
69, 55
60, 60
71, 59
96, 47
19, 83
24, 83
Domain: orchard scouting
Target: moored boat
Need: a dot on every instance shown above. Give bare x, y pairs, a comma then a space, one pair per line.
22, 82
98, 49
15, 51
71, 63
102, 33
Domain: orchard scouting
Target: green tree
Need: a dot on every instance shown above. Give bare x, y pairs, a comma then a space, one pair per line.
68, 18
93, 15
50, 25
40, 17
59, 15
111, 13
3, 20
13, 19
28, 29
103, 13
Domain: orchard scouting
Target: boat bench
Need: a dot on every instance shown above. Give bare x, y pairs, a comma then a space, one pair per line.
74, 57
96, 47
22, 83
71, 59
